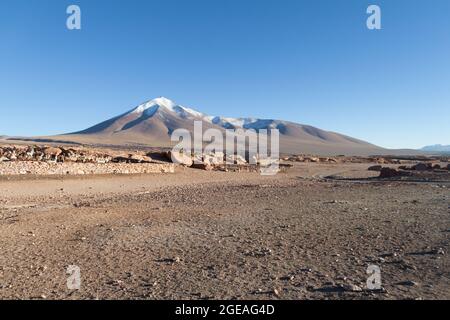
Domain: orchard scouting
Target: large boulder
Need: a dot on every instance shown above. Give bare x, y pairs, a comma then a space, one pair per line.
197, 158
420, 167
52, 152
181, 158
235, 159
240, 160
267, 162
214, 159
375, 168
139, 158
390, 173
131, 158
69, 155
25, 153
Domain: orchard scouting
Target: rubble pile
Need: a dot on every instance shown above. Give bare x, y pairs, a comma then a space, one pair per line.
49, 160
429, 166
339, 159
426, 170
221, 162
77, 168
60, 154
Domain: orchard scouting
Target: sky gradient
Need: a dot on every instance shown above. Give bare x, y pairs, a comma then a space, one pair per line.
312, 62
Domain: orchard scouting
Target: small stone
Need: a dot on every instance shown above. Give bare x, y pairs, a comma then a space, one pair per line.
287, 278
276, 292
408, 283
351, 288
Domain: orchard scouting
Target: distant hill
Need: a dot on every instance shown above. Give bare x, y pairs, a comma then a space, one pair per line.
437, 148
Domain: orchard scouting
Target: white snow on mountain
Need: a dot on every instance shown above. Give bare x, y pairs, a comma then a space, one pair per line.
151, 107
233, 122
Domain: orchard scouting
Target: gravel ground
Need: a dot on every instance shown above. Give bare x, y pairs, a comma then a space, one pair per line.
214, 235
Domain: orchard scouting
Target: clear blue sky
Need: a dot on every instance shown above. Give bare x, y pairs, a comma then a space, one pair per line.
312, 62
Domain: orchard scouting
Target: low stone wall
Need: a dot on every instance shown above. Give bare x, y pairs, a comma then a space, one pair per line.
61, 168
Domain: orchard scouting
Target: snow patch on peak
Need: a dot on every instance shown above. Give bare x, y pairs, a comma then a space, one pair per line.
155, 103
193, 112
152, 106
232, 122
166, 106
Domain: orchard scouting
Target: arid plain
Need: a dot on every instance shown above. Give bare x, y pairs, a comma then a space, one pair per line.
309, 232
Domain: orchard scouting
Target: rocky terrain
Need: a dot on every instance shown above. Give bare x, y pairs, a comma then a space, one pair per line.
307, 233
56, 154
63, 160
51, 160
59, 160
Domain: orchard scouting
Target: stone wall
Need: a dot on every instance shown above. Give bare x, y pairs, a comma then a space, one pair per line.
73, 168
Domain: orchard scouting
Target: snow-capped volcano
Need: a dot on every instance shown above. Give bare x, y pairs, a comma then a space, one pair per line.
152, 123
162, 104
152, 106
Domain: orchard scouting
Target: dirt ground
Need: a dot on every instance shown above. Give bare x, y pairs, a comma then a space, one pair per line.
216, 235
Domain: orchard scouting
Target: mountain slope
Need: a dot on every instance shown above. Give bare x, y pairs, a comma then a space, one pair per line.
151, 124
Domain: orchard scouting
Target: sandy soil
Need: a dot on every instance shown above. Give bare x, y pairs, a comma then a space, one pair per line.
216, 235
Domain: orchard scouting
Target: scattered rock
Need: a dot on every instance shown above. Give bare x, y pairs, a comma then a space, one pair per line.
181, 158
391, 173
389, 255
171, 260
82, 204
408, 283
260, 252
235, 159
202, 166
52, 152
351, 288
214, 159
288, 278
420, 167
